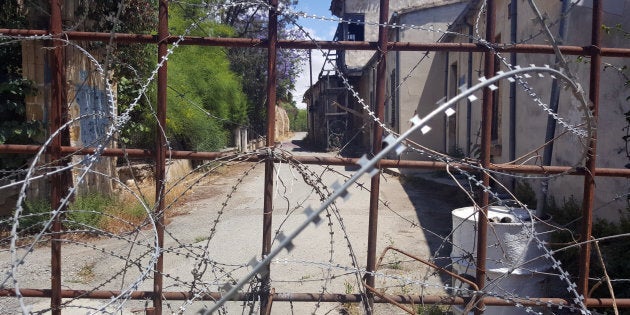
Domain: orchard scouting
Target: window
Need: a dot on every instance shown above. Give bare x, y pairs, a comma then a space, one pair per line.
354, 29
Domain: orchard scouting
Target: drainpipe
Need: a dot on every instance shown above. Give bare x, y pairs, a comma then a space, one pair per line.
448, 55
469, 83
551, 123
397, 103
513, 61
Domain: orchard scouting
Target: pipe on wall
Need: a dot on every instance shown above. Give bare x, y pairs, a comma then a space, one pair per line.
447, 61
469, 83
513, 60
554, 101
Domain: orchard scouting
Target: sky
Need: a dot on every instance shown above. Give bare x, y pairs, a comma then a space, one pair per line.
320, 30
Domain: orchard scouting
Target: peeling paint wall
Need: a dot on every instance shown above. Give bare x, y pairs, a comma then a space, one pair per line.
422, 74
86, 97
357, 59
88, 101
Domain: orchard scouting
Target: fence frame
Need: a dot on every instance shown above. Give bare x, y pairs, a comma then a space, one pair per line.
58, 149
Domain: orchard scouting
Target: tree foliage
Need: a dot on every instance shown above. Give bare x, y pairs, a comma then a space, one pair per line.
206, 99
297, 116
211, 89
250, 20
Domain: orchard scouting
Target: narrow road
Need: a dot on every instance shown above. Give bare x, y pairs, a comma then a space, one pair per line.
219, 231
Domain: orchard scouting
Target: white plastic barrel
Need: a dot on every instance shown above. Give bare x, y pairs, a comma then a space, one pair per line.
514, 259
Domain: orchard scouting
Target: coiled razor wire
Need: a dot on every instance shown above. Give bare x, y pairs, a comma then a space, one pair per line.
367, 166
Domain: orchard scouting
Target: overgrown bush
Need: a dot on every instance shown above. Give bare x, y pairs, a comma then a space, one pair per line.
615, 252
15, 128
34, 215
86, 211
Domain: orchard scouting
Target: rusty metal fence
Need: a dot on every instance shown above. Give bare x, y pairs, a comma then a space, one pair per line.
57, 150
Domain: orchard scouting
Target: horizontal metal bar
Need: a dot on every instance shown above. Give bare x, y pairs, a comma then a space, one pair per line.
306, 44
132, 153
315, 297
413, 164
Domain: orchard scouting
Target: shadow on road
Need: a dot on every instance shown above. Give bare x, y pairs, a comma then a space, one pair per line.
433, 203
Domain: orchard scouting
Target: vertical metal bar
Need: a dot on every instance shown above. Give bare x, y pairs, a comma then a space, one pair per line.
381, 76
58, 98
160, 152
589, 179
486, 134
271, 131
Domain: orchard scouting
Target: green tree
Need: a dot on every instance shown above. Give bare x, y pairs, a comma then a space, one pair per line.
297, 117
205, 99
300, 121
250, 20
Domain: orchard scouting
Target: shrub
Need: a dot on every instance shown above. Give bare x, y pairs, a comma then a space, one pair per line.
87, 210
615, 252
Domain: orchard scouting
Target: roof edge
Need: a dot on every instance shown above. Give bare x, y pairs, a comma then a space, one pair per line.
429, 5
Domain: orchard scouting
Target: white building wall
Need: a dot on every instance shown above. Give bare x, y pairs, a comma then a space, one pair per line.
418, 70
531, 120
357, 59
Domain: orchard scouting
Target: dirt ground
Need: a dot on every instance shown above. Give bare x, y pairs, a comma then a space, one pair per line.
415, 217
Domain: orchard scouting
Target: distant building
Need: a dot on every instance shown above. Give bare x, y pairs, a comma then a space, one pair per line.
358, 68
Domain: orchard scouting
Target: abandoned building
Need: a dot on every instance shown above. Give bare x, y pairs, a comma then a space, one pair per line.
417, 81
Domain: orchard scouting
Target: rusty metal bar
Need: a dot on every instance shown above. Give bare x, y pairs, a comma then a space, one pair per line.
160, 152
267, 228
270, 301
486, 135
303, 44
375, 183
589, 180
58, 183
131, 153
314, 297
320, 160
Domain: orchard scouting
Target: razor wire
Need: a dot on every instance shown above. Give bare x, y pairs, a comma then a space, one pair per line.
367, 166
578, 92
